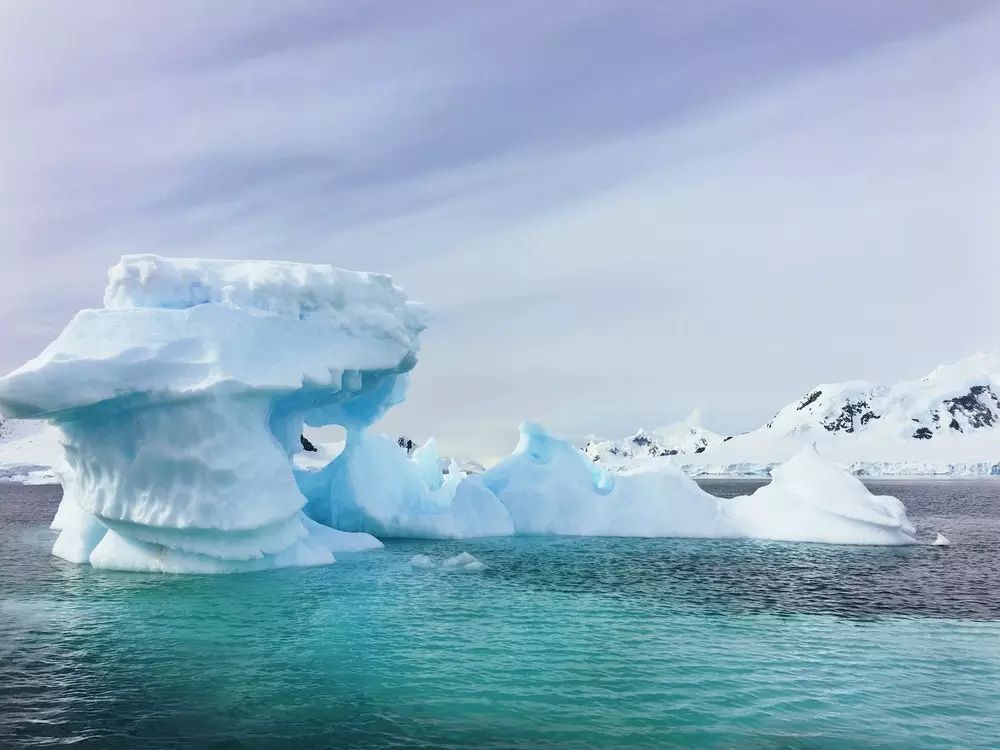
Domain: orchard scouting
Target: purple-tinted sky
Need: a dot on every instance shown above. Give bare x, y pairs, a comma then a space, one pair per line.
616, 210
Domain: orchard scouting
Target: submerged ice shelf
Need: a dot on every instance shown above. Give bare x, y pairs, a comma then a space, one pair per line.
181, 403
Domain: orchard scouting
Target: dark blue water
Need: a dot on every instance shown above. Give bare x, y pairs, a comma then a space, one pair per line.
559, 643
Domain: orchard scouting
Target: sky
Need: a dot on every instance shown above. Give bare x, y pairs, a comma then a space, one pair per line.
615, 211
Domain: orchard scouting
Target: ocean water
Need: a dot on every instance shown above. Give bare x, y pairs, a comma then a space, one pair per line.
561, 642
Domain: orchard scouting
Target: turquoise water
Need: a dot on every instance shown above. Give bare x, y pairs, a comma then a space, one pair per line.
559, 643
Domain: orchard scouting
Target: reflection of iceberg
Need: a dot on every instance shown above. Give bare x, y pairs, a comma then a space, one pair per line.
181, 404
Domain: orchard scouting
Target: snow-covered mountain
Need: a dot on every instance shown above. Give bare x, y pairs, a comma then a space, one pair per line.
679, 438
959, 397
946, 423
29, 451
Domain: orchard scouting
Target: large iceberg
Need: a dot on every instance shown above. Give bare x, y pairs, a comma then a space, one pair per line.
549, 487
181, 403
182, 400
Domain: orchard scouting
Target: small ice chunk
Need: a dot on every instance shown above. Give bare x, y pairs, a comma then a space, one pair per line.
422, 561
461, 560
941, 541
476, 566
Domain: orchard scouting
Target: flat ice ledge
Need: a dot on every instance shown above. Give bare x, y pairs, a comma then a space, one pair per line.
174, 328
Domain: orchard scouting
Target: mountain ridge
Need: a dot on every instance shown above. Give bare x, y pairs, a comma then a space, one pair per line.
946, 423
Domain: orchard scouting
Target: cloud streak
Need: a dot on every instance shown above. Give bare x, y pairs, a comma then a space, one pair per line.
616, 213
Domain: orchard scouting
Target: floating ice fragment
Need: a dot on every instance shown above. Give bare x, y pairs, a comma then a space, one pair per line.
464, 561
422, 561
463, 558
941, 541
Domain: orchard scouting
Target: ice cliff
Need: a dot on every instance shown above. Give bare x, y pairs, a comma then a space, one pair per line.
181, 403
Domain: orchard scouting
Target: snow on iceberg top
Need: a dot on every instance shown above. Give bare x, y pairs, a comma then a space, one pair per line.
279, 287
171, 328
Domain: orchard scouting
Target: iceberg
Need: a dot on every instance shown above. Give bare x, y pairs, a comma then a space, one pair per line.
180, 407
181, 401
811, 499
374, 487
551, 487
941, 541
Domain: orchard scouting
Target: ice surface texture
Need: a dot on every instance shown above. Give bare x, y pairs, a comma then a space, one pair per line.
181, 404
182, 399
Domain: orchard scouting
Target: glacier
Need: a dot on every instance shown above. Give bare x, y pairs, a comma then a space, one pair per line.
181, 404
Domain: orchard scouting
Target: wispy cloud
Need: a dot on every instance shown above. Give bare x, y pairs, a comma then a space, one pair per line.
617, 210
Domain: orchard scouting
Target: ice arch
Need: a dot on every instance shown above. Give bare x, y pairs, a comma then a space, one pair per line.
182, 399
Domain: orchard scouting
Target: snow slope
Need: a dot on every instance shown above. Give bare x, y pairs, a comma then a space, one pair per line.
30, 451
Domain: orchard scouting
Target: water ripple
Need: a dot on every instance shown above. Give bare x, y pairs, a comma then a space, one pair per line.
559, 643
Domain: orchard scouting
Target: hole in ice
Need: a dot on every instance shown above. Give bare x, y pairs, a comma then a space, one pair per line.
327, 443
